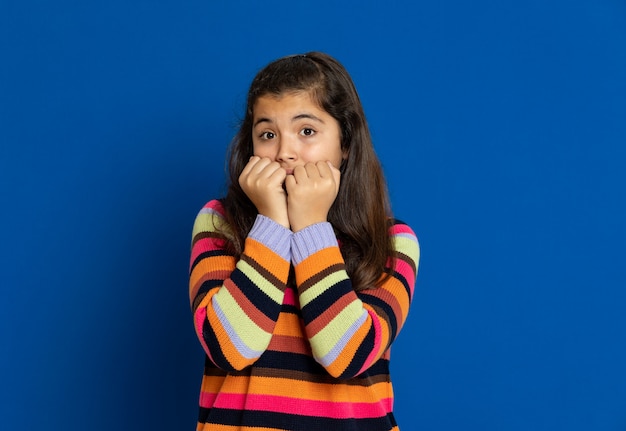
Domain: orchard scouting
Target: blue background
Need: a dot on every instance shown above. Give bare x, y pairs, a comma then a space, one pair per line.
502, 130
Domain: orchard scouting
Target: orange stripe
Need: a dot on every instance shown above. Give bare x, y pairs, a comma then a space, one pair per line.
312, 264
324, 319
211, 265
383, 337
394, 293
275, 386
348, 352
215, 275
288, 324
272, 262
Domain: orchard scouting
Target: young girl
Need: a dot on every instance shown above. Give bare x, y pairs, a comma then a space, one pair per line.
299, 279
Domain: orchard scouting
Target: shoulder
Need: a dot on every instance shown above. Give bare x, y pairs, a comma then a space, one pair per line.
214, 206
211, 217
398, 227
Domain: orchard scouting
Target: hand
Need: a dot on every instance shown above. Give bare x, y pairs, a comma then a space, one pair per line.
262, 181
311, 191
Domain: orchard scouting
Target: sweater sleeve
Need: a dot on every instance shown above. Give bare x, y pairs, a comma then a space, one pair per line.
349, 331
236, 302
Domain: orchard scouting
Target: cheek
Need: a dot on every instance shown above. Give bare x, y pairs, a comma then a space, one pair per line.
262, 151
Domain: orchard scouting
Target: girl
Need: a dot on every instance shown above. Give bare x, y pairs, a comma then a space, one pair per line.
299, 279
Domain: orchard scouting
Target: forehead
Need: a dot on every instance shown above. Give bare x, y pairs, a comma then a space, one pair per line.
285, 104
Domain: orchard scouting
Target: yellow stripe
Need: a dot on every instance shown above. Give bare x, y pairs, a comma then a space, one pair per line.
254, 337
407, 246
209, 222
324, 341
268, 288
321, 286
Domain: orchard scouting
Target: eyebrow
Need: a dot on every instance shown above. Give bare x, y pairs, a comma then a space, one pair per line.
295, 118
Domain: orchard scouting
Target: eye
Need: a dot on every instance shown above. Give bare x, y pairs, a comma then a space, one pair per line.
267, 135
307, 131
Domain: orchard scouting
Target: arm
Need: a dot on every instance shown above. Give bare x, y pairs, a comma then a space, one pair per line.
350, 331
236, 303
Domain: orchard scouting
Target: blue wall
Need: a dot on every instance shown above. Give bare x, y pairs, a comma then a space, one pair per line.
502, 129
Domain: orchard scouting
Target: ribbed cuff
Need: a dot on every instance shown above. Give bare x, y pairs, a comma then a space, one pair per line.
310, 240
272, 235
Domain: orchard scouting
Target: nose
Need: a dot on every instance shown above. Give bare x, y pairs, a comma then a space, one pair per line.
286, 150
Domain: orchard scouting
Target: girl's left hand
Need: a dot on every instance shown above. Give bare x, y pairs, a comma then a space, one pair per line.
311, 191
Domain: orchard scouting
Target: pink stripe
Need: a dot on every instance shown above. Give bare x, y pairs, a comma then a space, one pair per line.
290, 297
203, 245
299, 406
377, 341
216, 205
404, 268
401, 228
200, 317
207, 399
406, 271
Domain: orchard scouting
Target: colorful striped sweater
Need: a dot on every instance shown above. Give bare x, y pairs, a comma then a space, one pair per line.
314, 356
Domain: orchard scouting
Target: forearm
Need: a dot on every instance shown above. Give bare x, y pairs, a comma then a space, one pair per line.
236, 302
348, 331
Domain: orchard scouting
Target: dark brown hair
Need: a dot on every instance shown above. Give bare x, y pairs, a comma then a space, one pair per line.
360, 214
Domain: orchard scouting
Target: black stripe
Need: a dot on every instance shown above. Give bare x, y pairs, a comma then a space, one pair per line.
401, 279
205, 255
320, 304
367, 378
211, 370
216, 353
264, 303
380, 367
290, 361
360, 355
203, 290
285, 362
387, 311
209, 284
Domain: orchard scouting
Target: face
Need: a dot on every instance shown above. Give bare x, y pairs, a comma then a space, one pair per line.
293, 130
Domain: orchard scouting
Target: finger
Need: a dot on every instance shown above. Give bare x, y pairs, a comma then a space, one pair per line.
271, 169
336, 173
263, 168
299, 174
253, 161
290, 182
324, 169
312, 170
278, 174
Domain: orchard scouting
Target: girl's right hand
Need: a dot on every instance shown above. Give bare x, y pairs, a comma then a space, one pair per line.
262, 181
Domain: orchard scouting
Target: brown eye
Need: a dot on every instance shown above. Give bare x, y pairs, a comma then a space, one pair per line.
307, 132
267, 135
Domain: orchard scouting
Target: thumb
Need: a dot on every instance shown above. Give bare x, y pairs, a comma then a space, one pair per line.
336, 174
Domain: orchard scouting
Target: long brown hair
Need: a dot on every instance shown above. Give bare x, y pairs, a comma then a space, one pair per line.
360, 214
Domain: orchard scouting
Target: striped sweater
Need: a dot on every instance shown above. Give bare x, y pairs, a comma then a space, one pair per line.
310, 356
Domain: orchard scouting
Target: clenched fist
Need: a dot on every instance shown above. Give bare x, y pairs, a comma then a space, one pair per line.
262, 181
311, 191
